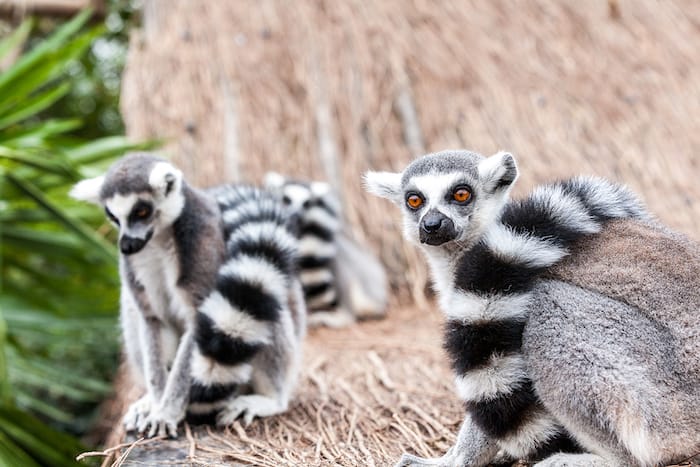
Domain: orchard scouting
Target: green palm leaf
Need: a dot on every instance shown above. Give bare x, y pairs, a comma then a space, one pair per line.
32, 136
34, 104
77, 227
16, 38
29, 159
58, 327
55, 42
4, 383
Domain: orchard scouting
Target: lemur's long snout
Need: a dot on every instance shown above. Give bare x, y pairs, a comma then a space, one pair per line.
130, 245
436, 228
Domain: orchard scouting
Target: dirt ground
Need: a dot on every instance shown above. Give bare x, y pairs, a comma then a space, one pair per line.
367, 394
331, 89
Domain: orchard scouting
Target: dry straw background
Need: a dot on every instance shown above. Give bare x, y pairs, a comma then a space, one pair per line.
327, 89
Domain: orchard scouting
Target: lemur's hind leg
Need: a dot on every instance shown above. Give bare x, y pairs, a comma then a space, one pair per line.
275, 370
270, 397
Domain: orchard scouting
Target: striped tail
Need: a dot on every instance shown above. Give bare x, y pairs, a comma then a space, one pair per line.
488, 310
252, 293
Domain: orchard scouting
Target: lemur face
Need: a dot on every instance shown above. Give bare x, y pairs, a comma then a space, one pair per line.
141, 195
308, 202
448, 198
437, 207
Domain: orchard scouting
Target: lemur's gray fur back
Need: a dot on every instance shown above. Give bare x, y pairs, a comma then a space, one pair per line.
211, 308
641, 278
521, 332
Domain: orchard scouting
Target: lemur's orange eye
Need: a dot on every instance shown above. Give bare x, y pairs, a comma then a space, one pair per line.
461, 195
141, 211
414, 201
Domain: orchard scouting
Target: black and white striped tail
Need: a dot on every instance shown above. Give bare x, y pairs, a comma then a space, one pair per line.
488, 309
252, 292
318, 226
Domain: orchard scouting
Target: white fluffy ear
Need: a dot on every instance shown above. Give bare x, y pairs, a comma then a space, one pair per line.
320, 189
384, 184
273, 181
330, 196
498, 171
165, 178
88, 189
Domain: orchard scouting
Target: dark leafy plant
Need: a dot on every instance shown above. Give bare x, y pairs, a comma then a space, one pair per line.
96, 76
58, 330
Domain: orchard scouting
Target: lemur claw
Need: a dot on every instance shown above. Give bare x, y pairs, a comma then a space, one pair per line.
159, 424
137, 412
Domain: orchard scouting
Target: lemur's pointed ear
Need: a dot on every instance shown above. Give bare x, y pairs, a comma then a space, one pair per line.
498, 172
330, 197
88, 189
165, 178
384, 184
320, 189
273, 181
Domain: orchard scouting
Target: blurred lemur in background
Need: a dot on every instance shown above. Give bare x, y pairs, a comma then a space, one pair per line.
212, 312
342, 282
571, 315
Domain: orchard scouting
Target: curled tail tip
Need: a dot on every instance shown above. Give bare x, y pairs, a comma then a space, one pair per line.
606, 199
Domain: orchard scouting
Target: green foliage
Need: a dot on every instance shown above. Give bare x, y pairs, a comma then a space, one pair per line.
96, 76
58, 329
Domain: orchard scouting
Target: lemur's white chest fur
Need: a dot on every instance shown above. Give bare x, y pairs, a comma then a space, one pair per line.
156, 268
442, 272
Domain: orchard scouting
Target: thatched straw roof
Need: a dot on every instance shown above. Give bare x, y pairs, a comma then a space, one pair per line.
330, 89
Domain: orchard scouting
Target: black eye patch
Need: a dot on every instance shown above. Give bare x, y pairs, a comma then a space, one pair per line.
141, 211
111, 216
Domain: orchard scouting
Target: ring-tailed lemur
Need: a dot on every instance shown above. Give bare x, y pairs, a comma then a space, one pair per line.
550, 357
212, 313
341, 281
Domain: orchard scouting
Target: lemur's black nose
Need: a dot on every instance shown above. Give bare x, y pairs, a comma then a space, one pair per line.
436, 228
130, 245
432, 222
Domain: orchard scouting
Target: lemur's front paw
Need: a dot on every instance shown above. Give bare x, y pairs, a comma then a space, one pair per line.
137, 412
160, 422
409, 460
249, 407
